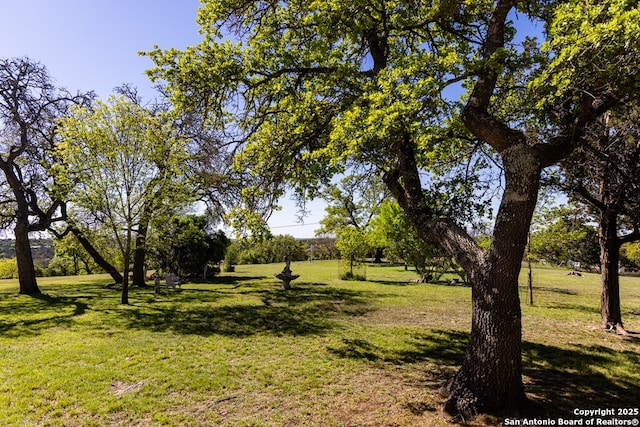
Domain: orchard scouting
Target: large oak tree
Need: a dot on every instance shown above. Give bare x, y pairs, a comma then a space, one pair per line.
311, 88
30, 106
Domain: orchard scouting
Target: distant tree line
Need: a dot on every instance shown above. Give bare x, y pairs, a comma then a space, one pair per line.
273, 249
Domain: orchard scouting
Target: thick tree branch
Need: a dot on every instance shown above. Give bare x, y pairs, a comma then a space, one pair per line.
405, 186
590, 198
475, 113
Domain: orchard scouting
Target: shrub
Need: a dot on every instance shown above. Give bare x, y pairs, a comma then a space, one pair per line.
8, 268
187, 248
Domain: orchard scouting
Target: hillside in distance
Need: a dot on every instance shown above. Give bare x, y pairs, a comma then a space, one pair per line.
42, 249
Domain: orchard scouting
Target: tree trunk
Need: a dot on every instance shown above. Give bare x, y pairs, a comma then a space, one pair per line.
102, 263
378, 256
76, 265
489, 379
610, 276
24, 259
127, 260
87, 267
529, 272
139, 258
125, 283
140, 252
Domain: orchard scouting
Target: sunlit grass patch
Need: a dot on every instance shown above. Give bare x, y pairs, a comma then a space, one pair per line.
240, 350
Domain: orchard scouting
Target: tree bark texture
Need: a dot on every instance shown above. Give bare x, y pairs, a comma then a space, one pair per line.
24, 258
140, 251
610, 276
124, 299
126, 254
490, 379
124, 296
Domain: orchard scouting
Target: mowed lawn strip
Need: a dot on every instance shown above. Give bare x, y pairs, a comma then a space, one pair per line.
242, 351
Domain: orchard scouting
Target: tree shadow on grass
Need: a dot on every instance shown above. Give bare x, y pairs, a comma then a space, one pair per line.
436, 345
395, 282
228, 280
579, 308
301, 311
79, 307
28, 315
560, 380
562, 291
446, 347
557, 380
632, 312
241, 309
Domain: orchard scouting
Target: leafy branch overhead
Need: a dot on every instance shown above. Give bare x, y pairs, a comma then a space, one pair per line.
434, 98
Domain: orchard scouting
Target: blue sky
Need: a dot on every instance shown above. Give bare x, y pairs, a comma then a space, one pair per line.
93, 45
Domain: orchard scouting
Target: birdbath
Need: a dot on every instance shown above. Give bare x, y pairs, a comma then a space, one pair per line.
286, 275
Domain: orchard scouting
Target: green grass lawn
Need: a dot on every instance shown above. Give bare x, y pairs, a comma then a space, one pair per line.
243, 352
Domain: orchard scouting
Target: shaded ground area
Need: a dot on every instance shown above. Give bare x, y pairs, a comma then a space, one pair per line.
299, 311
559, 380
24, 317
